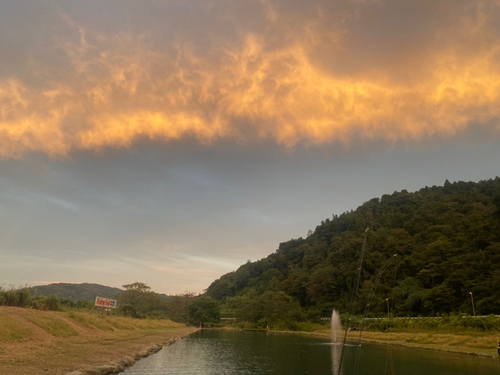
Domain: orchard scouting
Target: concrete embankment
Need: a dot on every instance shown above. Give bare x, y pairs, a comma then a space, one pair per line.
43, 342
120, 365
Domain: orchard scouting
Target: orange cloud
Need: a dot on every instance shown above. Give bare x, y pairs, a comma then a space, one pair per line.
118, 90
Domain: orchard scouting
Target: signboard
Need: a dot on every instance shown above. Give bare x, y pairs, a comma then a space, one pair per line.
105, 302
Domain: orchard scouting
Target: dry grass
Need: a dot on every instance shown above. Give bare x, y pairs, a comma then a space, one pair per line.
119, 323
41, 342
53, 325
12, 330
463, 343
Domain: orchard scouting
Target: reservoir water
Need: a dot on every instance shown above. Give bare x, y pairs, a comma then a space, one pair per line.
244, 353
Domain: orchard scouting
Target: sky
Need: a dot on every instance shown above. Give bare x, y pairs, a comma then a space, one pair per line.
169, 142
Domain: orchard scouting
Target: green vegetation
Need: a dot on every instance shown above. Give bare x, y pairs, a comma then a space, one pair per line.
445, 324
204, 309
136, 301
178, 307
21, 297
275, 309
448, 244
139, 301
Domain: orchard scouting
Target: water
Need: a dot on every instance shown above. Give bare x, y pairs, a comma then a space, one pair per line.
336, 325
244, 353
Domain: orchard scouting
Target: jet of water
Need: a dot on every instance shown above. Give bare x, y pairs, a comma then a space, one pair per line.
336, 325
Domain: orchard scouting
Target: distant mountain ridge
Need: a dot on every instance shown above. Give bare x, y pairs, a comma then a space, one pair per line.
80, 292
76, 292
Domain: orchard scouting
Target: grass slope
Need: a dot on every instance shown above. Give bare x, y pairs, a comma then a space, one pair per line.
41, 342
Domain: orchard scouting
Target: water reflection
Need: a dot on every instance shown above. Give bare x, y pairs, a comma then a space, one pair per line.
389, 365
336, 353
248, 353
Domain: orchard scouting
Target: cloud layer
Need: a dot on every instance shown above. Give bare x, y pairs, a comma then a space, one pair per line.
247, 71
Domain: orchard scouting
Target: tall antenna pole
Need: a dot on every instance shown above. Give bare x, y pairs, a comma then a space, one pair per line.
353, 297
367, 308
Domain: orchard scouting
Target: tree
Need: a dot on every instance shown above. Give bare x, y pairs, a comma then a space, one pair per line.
178, 306
139, 300
137, 287
204, 309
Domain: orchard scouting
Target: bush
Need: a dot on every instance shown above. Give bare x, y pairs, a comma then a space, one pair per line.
51, 303
13, 297
129, 310
88, 305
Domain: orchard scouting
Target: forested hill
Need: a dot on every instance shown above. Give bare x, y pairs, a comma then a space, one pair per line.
76, 292
80, 292
448, 243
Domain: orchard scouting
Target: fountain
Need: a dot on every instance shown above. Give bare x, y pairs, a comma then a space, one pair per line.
336, 326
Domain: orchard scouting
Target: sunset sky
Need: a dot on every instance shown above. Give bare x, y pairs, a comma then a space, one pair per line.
169, 142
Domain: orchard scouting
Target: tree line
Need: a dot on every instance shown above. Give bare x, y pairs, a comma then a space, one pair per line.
137, 300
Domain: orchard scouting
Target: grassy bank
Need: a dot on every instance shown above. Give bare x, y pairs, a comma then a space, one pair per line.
471, 343
41, 342
454, 333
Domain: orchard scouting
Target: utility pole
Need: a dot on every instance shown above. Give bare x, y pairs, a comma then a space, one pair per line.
473, 308
387, 300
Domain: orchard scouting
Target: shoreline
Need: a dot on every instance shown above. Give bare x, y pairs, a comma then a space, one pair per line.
122, 364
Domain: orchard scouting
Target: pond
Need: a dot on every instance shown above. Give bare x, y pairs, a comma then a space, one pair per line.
216, 352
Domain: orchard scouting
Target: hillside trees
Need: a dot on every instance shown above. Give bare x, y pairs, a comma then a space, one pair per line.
204, 309
447, 239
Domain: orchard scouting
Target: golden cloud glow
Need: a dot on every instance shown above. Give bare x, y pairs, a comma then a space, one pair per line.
119, 90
